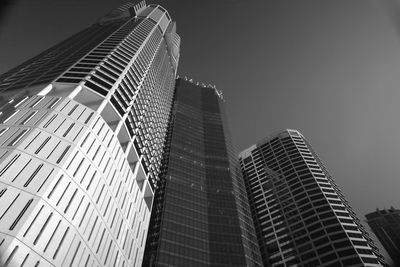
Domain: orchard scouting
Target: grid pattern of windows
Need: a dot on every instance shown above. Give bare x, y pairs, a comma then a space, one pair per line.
134, 71
201, 215
48, 65
80, 157
87, 64
68, 191
300, 215
386, 226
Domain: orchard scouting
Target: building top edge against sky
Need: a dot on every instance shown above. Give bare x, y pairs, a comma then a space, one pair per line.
203, 85
247, 152
26, 76
85, 122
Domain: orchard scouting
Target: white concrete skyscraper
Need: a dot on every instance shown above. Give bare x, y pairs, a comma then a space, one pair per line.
300, 215
82, 129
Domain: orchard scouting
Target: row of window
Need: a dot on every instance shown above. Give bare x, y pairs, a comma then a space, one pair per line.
67, 197
54, 61
88, 63
278, 155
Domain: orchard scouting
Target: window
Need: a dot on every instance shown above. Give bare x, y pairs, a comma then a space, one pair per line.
328, 258
315, 235
11, 162
352, 261
19, 137
337, 236
359, 243
321, 241
314, 227
347, 252
334, 229
20, 215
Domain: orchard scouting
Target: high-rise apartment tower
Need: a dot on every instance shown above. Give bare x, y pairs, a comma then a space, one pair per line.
386, 226
300, 214
82, 129
201, 214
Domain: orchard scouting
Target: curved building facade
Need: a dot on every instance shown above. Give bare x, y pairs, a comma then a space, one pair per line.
301, 216
80, 155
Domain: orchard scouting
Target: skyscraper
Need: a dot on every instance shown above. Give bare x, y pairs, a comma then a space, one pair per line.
386, 226
81, 138
200, 215
300, 214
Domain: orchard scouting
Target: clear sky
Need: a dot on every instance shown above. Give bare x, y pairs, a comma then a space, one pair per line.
330, 69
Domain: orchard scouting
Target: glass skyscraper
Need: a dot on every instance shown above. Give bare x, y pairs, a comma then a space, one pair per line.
386, 226
82, 129
301, 216
201, 215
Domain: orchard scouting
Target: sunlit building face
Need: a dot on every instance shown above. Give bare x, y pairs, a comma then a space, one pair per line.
82, 128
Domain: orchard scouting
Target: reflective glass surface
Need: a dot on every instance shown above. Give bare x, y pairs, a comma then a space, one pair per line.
200, 215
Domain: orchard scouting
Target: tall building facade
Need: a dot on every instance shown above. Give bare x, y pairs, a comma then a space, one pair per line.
300, 215
82, 129
386, 226
201, 214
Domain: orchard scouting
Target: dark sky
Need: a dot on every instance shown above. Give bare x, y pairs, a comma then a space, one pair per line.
330, 69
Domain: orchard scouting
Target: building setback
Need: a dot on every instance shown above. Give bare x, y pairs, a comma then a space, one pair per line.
82, 129
301, 216
201, 215
386, 226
